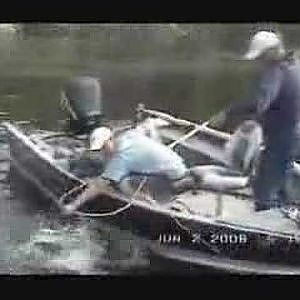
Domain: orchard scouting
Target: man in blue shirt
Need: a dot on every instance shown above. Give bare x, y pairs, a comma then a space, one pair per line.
132, 153
277, 108
136, 153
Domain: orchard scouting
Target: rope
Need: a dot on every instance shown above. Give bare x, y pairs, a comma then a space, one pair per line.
108, 214
113, 213
69, 192
185, 228
117, 211
205, 243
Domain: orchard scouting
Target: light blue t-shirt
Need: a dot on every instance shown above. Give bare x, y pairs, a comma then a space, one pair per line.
139, 154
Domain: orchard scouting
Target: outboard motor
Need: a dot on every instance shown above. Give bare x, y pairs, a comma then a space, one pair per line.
82, 98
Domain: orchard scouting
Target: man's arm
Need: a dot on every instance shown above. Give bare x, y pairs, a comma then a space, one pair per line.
235, 111
241, 108
267, 91
95, 188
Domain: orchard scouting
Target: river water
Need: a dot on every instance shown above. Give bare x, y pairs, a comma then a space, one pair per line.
190, 77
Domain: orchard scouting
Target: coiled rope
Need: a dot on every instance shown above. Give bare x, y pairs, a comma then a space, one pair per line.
115, 212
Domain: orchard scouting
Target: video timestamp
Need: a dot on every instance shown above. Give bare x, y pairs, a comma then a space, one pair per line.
215, 238
223, 238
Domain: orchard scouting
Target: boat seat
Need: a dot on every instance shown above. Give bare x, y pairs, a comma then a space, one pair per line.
241, 156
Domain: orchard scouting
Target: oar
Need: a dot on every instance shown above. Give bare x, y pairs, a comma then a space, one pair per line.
202, 127
189, 134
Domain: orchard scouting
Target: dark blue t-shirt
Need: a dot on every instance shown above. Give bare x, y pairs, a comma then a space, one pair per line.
276, 103
278, 98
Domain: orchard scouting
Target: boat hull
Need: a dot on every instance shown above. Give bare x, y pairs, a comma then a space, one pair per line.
178, 232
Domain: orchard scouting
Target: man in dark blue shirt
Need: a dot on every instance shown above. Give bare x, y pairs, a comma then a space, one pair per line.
277, 108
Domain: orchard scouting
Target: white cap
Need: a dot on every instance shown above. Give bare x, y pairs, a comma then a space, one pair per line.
262, 41
98, 138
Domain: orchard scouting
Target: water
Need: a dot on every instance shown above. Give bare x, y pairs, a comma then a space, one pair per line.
188, 74
38, 240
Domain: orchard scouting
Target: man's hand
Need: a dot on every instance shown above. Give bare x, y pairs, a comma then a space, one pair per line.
94, 188
102, 184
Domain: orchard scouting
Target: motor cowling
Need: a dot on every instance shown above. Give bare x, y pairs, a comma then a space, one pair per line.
82, 99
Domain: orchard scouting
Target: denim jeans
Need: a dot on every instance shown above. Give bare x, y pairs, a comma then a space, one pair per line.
270, 180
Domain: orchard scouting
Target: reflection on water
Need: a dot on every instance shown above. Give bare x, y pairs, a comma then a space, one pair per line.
42, 241
75, 250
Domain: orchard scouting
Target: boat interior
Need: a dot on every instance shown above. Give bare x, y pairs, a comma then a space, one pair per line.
219, 202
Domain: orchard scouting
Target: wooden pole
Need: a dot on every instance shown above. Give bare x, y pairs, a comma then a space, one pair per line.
202, 128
